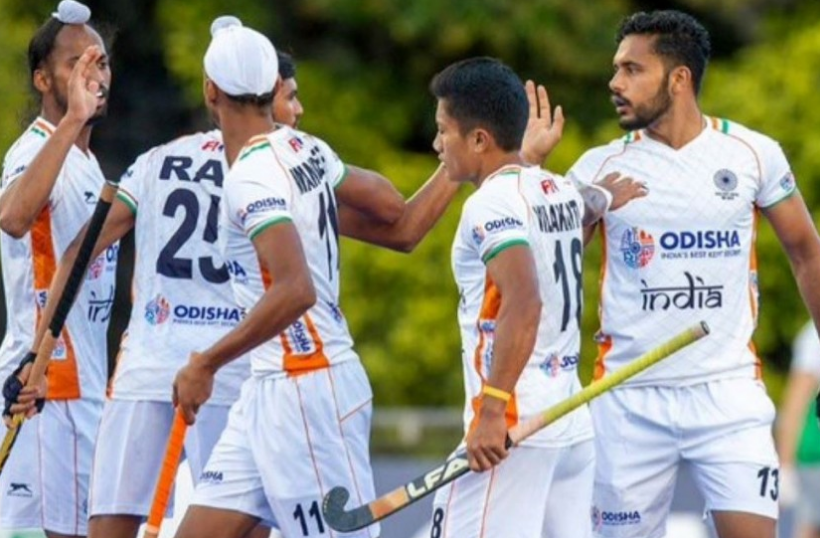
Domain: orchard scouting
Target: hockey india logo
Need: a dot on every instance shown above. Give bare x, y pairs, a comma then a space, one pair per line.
157, 310
637, 247
725, 180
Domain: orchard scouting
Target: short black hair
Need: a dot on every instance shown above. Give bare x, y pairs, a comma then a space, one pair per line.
681, 39
264, 100
483, 92
44, 39
287, 67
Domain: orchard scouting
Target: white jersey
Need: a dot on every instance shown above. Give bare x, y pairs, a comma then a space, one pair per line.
79, 365
288, 175
685, 252
526, 206
806, 351
182, 298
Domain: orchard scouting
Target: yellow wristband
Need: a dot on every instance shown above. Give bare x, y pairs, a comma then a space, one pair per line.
496, 393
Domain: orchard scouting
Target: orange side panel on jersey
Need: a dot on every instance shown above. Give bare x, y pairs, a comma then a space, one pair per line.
752, 293
63, 377
489, 311
43, 126
606, 345
295, 364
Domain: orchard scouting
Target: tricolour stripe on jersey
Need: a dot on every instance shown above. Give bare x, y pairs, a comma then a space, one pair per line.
254, 144
489, 312
264, 225
62, 375
128, 199
41, 128
342, 177
502, 247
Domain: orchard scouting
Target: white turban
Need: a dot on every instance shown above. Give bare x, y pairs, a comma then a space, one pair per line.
240, 60
71, 12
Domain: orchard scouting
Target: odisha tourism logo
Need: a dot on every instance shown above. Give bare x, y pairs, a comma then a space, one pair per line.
638, 247
157, 310
96, 268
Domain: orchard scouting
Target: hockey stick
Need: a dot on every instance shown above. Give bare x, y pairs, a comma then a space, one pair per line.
167, 474
333, 507
55, 327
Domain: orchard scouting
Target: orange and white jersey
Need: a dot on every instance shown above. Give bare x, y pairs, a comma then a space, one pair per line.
79, 365
287, 175
685, 252
524, 206
182, 298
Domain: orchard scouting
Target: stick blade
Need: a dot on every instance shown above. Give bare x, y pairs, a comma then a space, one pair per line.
333, 510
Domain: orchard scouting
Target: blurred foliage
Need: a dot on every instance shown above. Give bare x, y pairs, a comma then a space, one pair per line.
363, 70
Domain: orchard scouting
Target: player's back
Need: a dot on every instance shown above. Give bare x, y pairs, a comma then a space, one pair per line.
528, 206
182, 299
288, 175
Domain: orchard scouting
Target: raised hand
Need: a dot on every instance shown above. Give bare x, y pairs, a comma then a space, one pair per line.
622, 188
544, 130
85, 91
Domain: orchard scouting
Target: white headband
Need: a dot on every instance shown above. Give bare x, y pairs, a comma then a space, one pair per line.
239, 60
72, 12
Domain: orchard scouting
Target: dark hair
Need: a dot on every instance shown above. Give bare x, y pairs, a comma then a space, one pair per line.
287, 67
681, 39
483, 92
42, 45
259, 101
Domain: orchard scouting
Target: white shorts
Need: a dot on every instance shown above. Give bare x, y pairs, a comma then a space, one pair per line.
288, 442
20, 500
131, 446
68, 429
534, 493
721, 429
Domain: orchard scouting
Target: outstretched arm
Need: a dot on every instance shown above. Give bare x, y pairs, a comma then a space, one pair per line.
420, 214
370, 194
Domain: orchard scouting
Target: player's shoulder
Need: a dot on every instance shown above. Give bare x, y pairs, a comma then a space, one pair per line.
209, 141
594, 158
25, 148
735, 132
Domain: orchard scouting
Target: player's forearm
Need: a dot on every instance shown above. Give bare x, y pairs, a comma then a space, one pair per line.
800, 390
515, 334
280, 306
25, 198
595, 204
371, 194
421, 213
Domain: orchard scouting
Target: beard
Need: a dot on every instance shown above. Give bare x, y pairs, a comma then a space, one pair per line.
99, 115
646, 114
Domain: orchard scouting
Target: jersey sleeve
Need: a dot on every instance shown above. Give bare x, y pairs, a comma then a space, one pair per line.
335, 168
777, 180
19, 158
133, 180
258, 196
494, 221
806, 351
